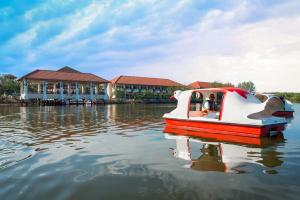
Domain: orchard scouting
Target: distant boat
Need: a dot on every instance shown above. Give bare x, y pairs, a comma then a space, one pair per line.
238, 113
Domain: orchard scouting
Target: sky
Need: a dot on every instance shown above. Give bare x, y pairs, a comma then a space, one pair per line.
186, 41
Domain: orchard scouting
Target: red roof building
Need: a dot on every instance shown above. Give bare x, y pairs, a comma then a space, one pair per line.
63, 74
63, 84
135, 84
145, 81
199, 84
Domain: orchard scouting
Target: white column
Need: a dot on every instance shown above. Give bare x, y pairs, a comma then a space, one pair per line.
82, 89
44, 90
25, 83
113, 91
69, 89
54, 88
107, 91
21, 90
96, 89
61, 90
91, 91
39, 88
77, 91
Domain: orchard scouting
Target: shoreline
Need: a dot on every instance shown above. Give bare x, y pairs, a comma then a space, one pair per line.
66, 103
16, 101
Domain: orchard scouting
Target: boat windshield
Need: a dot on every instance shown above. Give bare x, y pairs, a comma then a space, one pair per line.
206, 104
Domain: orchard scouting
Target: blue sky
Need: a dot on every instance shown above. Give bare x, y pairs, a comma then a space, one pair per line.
188, 40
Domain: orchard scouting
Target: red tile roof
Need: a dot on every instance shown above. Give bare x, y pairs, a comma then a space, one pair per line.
68, 69
64, 74
136, 80
199, 84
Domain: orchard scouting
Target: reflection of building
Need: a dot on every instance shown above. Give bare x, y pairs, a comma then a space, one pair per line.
222, 156
63, 84
131, 85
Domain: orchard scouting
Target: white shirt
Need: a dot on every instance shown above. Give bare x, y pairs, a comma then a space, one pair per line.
206, 105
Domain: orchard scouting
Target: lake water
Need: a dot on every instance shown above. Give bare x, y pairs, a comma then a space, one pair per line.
121, 152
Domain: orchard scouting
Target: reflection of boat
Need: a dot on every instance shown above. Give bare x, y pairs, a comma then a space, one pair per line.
218, 155
239, 113
285, 110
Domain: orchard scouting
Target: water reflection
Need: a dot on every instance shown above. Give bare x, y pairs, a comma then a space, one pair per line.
82, 152
27, 130
225, 154
49, 124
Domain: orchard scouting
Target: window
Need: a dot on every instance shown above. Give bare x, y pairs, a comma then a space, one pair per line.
206, 104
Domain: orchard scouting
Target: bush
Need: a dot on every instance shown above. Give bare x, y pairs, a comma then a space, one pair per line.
120, 94
9, 85
249, 85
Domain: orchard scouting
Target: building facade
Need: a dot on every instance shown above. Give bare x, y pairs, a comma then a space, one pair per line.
129, 87
65, 84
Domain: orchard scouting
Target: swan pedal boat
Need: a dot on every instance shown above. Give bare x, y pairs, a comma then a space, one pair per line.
287, 109
240, 113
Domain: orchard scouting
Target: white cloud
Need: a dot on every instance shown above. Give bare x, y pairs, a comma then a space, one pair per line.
78, 22
266, 52
230, 44
23, 39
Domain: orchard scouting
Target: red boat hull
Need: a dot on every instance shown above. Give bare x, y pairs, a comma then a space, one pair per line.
261, 142
225, 128
287, 114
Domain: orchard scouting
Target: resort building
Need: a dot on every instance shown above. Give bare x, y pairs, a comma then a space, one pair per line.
65, 84
140, 87
199, 85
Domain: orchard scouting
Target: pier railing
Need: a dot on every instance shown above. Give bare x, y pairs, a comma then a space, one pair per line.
63, 97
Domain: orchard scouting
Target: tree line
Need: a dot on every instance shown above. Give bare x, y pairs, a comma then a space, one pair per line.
246, 85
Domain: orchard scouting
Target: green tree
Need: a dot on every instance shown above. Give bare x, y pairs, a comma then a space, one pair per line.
120, 94
216, 84
9, 85
148, 94
228, 84
247, 85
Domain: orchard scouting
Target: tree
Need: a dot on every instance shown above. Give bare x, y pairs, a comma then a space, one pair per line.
247, 85
228, 84
120, 93
9, 85
216, 84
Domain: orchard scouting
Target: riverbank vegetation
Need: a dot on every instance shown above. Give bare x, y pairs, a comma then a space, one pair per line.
291, 96
9, 89
9, 85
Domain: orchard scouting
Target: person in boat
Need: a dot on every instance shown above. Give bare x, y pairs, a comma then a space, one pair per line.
210, 104
208, 107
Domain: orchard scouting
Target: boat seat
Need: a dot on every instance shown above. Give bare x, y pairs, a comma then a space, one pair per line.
212, 115
196, 114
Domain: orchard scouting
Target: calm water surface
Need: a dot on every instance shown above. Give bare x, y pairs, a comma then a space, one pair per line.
121, 152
